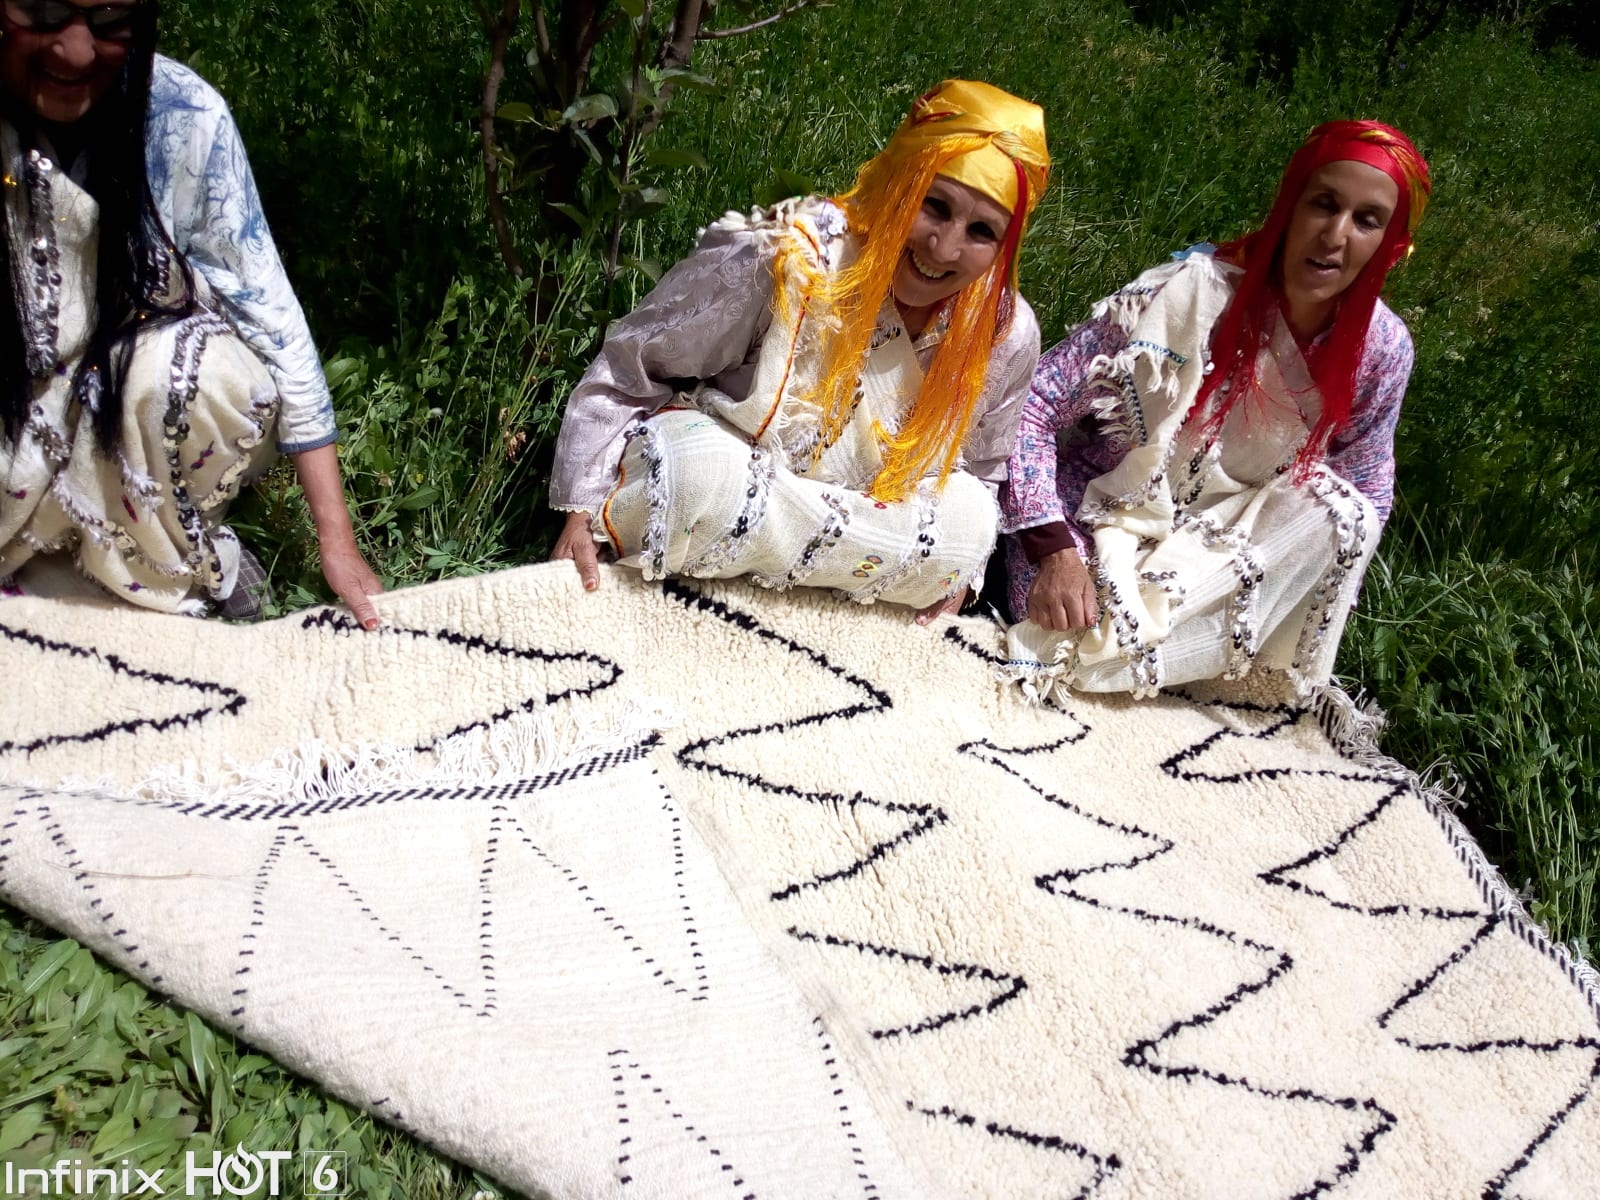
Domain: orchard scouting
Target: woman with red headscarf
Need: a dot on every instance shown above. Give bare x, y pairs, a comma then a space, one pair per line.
1203, 468
826, 392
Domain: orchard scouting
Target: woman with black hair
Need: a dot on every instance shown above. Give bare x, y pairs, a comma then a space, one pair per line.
152, 345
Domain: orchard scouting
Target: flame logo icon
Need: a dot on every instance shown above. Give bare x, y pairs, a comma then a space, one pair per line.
240, 1173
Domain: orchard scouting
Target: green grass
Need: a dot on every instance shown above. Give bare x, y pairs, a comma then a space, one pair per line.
94, 1067
1492, 670
1478, 626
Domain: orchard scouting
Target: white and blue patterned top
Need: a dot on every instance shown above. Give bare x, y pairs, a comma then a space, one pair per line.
206, 196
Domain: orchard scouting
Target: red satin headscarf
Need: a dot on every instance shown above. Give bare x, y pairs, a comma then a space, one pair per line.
1255, 305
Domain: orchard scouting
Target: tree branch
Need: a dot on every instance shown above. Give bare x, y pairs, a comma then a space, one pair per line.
500, 30
631, 130
541, 30
678, 45
707, 35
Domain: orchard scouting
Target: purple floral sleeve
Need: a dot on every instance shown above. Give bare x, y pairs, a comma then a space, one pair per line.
1060, 447
1363, 452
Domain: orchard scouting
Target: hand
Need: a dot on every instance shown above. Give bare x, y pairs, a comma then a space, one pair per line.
351, 579
1063, 596
577, 543
950, 604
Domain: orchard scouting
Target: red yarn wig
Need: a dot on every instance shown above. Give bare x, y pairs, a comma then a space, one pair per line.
1248, 319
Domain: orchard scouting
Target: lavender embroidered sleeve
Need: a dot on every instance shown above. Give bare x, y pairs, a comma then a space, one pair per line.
702, 326
1061, 446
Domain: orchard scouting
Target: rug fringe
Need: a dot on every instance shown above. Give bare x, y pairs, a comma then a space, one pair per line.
521, 746
1352, 724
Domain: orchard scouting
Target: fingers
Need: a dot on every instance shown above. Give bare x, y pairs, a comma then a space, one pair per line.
353, 581
585, 555
577, 543
1082, 609
355, 584
364, 611
1062, 609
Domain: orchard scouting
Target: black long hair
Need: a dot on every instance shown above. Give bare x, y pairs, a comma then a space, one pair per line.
136, 257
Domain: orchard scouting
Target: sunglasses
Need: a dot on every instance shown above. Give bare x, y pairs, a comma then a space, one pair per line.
106, 21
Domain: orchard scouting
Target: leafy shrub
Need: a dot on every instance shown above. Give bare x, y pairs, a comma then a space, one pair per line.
358, 120
446, 460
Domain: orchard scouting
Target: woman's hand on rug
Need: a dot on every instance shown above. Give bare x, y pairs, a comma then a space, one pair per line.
352, 580
577, 543
1063, 595
343, 567
950, 604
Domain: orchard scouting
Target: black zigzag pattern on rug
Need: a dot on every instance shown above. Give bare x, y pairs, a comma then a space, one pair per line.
1391, 788
920, 818
608, 671
32, 803
626, 1114
1104, 1165
925, 818
1394, 784
229, 700
1495, 1187
954, 635
1143, 1053
1008, 986
504, 829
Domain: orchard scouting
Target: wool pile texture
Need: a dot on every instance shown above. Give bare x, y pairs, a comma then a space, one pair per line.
695, 890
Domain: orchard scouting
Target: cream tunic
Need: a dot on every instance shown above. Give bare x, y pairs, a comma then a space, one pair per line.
693, 437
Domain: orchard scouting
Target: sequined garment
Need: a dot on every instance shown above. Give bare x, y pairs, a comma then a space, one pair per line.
206, 197
1212, 556
702, 327
1061, 445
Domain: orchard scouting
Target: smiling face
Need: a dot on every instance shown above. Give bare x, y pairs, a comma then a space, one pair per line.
59, 75
953, 241
1337, 226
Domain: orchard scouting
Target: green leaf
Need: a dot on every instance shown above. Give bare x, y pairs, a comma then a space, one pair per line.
92, 998
250, 1064
782, 185
238, 1129
80, 971
693, 80
197, 1048
421, 498
574, 214
667, 157
19, 1127
51, 961
517, 110
648, 267
634, 8
113, 1133
595, 106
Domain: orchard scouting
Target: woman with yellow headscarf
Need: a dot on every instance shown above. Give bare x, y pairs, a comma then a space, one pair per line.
825, 392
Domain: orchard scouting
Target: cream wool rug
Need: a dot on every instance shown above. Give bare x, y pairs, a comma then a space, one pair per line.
703, 891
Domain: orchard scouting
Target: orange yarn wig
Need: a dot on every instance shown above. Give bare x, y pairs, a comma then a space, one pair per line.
979, 136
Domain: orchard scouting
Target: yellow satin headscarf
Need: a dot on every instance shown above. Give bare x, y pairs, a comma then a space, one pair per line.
1013, 129
980, 136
